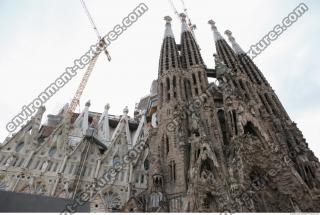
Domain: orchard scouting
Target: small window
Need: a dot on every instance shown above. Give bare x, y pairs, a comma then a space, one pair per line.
116, 160
146, 165
52, 151
19, 146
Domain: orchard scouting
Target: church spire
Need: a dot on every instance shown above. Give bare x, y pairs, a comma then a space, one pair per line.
216, 34
190, 52
169, 59
168, 32
223, 49
236, 47
247, 63
184, 25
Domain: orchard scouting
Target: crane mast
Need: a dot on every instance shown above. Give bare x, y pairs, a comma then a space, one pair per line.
76, 98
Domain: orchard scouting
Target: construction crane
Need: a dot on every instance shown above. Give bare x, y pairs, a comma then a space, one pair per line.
76, 99
100, 39
190, 25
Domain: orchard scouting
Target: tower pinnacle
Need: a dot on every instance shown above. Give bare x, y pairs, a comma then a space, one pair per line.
236, 47
184, 27
168, 31
216, 33
190, 52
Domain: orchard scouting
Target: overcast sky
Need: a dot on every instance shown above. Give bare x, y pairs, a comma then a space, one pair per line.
39, 39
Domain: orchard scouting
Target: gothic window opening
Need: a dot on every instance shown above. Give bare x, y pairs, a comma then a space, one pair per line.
168, 89
235, 121
52, 151
206, 169
194, 79
188, 89
208, 201
172, 171
197, 154
146, 165
250, 129
116, 160
19, 146
222, 122
174, 87
196, 90
167, 144
90, 120
199, 76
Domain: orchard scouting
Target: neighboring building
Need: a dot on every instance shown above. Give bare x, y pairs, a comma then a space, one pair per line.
210, 147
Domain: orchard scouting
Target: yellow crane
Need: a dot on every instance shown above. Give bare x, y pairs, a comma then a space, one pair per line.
76, 98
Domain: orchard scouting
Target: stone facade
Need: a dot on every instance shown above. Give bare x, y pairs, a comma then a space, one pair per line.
209, 147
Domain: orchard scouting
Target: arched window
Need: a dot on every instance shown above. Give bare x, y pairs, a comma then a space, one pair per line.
235, 121
146, 165
194, 79
222, 121
19, 146
188, 91
52, 151
174, 87
168, 88
172, 171
250, 129
167, 144
116, 160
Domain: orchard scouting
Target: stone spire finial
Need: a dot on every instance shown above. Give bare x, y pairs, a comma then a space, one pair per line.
216, 33
168, 31
236, 47
107, 107
88, 103
126, 110
184, 22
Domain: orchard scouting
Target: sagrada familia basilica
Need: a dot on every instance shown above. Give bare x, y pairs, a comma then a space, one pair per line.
209, 147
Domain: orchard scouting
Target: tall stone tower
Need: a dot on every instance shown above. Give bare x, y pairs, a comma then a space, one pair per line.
227, 146
207, 147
